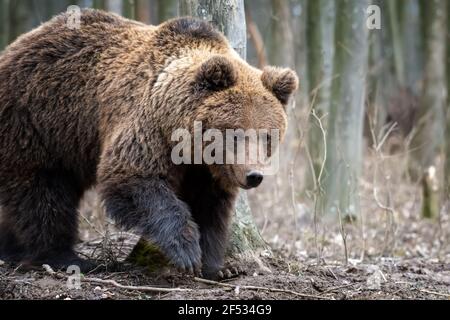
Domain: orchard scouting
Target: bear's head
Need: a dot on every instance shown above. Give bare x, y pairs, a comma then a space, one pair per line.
247, 107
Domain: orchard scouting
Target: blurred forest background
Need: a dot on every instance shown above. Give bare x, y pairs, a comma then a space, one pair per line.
366, 164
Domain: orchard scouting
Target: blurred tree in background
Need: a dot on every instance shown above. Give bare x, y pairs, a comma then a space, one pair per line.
447, 137
320, 40
428, 142
347, 106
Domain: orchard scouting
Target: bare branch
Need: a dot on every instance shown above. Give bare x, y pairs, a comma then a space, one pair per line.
258, 288
136, 288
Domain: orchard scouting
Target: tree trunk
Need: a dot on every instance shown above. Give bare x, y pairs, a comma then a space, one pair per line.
447, 151
85, 3
394, 23
299, 26
320, 39
344, 141
115, 6
143, 11
412, 44
281, 51
129, 9
167, 9
381, 78
18, 18
428, 141
4, 23
99, 4
447, 138
227, 15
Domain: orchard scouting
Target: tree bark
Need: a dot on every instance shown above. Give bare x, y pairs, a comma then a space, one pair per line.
167, 9
281, 51
382, 80
320, 39
227, 15
114, 6
19, 18
394, 24
4, 23
129, 9
412, 44
447, 138
344, 140
143, 11
299, 26
428, 141
99, 4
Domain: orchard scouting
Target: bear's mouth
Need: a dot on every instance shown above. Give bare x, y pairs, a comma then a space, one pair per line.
232, 176
235, 177
245, 187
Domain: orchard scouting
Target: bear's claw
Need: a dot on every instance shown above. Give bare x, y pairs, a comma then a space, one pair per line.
225, 273
229, 273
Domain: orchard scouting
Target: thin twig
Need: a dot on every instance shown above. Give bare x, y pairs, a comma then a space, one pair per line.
114, 283
332, 273
436, 293
92, 225
135, 288
318, 192
386, 135
340, 287
343, 235
258, 288
324, 137
390, 211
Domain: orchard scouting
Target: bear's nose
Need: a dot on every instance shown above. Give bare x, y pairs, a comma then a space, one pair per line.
254, 179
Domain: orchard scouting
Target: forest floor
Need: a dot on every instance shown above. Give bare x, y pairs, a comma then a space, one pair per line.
386, 252
382, 279
276, 276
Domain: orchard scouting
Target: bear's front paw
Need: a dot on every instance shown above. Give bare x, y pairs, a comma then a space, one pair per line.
228, 271
184, 249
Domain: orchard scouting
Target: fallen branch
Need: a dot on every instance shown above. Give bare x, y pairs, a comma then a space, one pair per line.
114, 283
136, 288
435, 293
340, 287
258, 288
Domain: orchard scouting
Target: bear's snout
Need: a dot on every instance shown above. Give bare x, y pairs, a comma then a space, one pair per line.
254, 179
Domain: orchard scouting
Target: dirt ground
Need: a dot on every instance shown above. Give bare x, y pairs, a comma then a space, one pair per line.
288, 278
387, 251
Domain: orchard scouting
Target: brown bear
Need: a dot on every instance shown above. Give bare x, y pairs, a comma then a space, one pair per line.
96, 106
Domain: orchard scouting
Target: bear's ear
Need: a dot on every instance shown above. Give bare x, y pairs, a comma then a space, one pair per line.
216, 74
282, 82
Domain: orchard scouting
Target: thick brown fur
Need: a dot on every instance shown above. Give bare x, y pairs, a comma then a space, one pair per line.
96, 106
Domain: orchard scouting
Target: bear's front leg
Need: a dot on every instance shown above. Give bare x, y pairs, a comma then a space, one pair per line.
213, 215
150, 207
